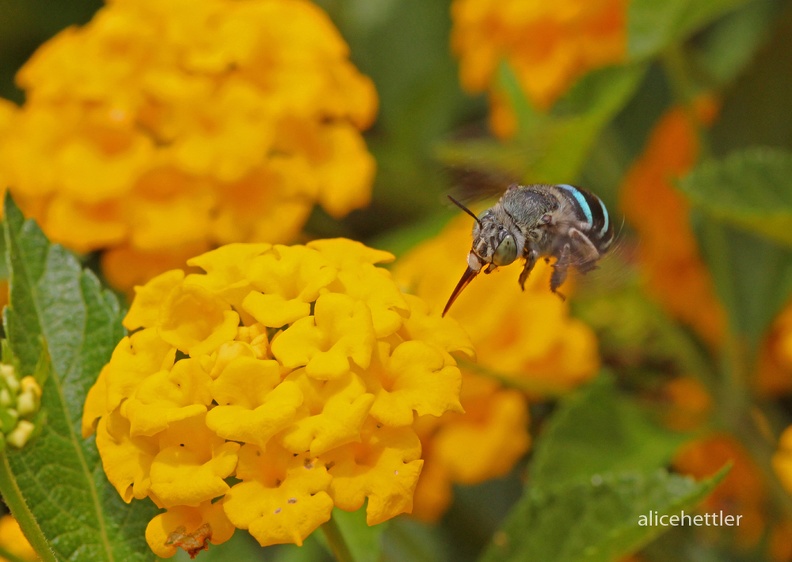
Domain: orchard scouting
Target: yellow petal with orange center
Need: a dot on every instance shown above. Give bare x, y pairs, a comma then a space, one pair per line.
125, 459
145, 308
282, 497
191, 465
253, 403
384, 468
339, 333
168, 396
333, 413
415, 378
195, 321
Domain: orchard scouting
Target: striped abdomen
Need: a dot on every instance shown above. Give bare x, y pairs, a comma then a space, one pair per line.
591, 210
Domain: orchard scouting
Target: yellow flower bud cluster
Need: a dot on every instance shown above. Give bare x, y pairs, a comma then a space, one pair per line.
282, 381
160, 130
20, 400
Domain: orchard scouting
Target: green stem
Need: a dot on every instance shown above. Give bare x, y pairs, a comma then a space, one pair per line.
13, 498
335, 539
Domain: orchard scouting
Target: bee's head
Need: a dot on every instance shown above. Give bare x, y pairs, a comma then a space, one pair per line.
493, 244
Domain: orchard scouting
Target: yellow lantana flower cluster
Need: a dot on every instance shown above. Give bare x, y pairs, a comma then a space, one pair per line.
526, 345
160, 130
548, 45
285, 380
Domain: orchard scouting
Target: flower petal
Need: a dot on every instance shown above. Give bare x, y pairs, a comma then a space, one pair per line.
281, 498
253, 403
384, 468
332, 415
340, 332
415, 378
191, 465
195, 321
189, 528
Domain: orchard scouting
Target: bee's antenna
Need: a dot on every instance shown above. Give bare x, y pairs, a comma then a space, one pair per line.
468, 211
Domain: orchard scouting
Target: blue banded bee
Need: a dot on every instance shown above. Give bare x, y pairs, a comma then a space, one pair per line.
538, 221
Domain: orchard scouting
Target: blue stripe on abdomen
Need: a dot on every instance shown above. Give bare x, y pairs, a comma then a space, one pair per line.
584, 206
604, 228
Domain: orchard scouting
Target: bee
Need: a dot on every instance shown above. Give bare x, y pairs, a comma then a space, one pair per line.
537, 221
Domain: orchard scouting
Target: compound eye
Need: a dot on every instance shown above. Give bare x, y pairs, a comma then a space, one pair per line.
506, 252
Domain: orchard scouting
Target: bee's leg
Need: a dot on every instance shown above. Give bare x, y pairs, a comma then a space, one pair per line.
560, 268
584, 250
530, 262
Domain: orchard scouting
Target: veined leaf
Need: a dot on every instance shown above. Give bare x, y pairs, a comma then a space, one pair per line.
59, 310
594, 521
594, 431
743, 205
749, 189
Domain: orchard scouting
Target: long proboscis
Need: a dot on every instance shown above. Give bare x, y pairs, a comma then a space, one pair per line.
467, 277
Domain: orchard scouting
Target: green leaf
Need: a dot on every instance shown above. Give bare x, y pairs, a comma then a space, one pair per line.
3, 264
752, 276
743, 206
725, 50
594, 521
652, 26
749, 189
60, 310
597, 430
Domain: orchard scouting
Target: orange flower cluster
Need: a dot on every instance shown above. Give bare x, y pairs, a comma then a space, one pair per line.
671, 264
548, 45
162, 129
525, 342
283, 381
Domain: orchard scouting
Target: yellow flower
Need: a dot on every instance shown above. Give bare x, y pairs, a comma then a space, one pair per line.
332, 412
297, 372
161, 129
671, 265
526, 338
253, 404
383, 467
547, 45
339, 334
283, 495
